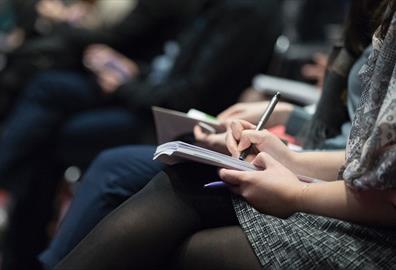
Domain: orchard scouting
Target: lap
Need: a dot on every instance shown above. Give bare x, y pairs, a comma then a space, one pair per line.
63, 90
306, 241
217, 248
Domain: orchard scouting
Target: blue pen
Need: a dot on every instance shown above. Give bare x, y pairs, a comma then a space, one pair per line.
216, 184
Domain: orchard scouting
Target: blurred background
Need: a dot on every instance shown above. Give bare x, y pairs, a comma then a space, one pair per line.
141, 44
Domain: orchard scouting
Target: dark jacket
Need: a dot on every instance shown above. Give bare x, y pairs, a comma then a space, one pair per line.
220, 52
141, 34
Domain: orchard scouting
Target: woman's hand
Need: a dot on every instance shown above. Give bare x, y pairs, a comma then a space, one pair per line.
216, 142
252, 111
273, 190
242, 134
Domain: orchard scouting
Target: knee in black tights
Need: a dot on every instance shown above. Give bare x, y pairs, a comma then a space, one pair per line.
218, 248
148, 229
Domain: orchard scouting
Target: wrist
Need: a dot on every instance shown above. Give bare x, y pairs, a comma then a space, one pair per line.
301, 198
291, 161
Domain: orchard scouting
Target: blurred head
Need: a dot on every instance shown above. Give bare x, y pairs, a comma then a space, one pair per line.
364, 17
387, 17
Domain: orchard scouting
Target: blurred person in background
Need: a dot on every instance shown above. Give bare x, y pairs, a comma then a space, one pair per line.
311, 28
59, 44
69, 115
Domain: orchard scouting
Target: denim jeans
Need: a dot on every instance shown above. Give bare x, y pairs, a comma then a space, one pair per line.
111, 179
60, 119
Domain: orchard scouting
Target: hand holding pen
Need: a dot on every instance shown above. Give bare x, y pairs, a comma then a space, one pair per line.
242, 135
273, 154
263, 120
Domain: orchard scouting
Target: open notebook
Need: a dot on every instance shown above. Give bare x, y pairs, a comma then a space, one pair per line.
174, 152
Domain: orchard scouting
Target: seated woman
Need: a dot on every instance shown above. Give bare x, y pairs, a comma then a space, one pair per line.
273, 220
119, 173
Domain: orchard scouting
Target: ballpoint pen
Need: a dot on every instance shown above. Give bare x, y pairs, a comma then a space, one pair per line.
263, 120
216, 184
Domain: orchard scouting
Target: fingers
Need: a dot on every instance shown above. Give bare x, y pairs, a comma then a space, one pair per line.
95, 58
238, 126
132, 67
239, 129
249, 137
97, 53
109, 81
231, 143
234, 131
199, 134
264, 161
232, 177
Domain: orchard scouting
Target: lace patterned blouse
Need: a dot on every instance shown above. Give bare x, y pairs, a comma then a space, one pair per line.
371, 149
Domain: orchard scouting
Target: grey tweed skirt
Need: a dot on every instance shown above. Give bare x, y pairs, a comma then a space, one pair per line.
305, 241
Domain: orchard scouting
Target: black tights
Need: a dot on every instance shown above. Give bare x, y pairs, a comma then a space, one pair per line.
173, 223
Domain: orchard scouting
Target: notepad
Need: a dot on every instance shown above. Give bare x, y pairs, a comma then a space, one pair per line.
175, 152
171, 124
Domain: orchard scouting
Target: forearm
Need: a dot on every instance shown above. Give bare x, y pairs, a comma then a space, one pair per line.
323, 165
336, 200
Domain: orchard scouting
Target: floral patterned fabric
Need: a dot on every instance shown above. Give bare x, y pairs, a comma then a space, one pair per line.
371, 150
